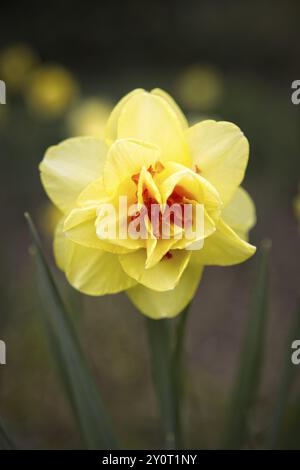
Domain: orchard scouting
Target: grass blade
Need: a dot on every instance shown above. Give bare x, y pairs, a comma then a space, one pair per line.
69, 359
248, 376
285, 385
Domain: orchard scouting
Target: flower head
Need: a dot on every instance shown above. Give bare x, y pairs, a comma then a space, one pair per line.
153, 159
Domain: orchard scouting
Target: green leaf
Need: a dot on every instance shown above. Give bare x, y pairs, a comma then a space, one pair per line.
71, 364
285, 384
248, 376
6, 442
166, 340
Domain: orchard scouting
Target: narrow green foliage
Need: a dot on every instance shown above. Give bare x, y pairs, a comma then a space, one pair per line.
69, 359
251, 358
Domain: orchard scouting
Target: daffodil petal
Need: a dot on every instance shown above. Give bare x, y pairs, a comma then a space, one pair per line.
80, 227
146, 182
69, 167
111, 130
163, 276
93, 194
206, 230
95, 272
106, 221
198, 187
125, 158
170, 303
220, 151
240, 213
173, 104
150, 118
223, 248
156, 250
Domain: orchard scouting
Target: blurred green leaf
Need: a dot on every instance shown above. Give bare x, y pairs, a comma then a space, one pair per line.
285, 385
166, 340
6, 442
248, 376
70, 361
159, 335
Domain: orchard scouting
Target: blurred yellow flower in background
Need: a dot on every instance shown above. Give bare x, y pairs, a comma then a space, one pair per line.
16, 63
199, 87
89, 117
150, 155
297, 205
51, 90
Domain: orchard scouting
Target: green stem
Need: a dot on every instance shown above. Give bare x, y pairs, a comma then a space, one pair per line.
178, 369
166, 341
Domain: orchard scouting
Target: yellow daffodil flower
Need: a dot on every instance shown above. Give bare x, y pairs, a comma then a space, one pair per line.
51, 89
149, 155
89, 117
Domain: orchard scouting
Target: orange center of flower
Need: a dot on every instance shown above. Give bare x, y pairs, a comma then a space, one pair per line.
176, 201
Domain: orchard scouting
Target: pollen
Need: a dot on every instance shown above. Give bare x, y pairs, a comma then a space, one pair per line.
158, 168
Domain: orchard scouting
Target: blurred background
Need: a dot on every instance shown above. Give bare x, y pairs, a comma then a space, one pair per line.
65, 64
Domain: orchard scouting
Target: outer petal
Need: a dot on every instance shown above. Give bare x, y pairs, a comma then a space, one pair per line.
111, 131
169, 303
95, 272
69, 167
80, 227
91, 271
220, 150
150, 118
240, 213
173, 104
163, 276
223, 248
